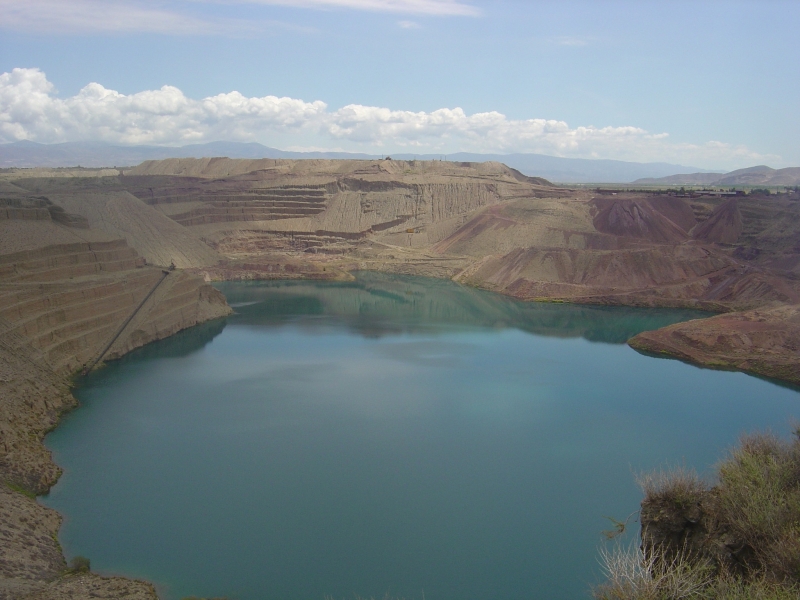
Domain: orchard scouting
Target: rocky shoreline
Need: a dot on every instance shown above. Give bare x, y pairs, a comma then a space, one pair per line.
763, 342
34, 397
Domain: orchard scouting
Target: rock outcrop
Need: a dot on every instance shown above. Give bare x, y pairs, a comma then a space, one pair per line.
65, 291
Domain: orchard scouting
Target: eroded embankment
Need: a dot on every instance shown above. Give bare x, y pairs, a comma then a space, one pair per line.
73, 256
60, 304
763, 341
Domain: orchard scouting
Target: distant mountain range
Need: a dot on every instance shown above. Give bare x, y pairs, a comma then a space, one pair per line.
753, 176
97, 154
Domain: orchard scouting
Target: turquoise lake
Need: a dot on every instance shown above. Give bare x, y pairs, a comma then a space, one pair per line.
392, 434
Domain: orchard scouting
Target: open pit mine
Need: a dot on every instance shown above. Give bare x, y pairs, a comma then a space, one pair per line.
95, 263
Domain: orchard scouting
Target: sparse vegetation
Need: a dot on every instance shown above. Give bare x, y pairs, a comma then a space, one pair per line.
79, 564
20, 489
631, 575
679, 486
737, 540
759, 498
386, 596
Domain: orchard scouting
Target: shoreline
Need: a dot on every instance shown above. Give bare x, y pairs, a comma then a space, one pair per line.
657, 356
76, 259
77, 379
144, 589
36, 395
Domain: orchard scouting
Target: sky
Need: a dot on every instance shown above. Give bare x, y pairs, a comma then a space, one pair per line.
713, 84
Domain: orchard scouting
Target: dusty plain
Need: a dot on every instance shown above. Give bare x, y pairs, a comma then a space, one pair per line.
80, 250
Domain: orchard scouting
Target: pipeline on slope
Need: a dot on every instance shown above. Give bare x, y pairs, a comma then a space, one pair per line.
100, 356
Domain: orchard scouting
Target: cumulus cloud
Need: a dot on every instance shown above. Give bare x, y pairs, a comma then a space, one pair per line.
31, 109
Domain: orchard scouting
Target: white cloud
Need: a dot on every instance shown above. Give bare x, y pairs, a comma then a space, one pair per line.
81, 16
30, 109
150, 16
422, 7
408, 24
70, 17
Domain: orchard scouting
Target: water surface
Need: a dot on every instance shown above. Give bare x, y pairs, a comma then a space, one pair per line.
394, 434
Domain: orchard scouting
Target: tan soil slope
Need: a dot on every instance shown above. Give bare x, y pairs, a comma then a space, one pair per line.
105, 209
764, 341
65, 290
482, 224
323, 206
732, 255
632, 250
723, 225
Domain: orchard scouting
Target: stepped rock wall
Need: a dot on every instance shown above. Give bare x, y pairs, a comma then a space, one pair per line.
155, 237
74, 255
60, 304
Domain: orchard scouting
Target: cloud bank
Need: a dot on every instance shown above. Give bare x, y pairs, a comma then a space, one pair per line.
30, 109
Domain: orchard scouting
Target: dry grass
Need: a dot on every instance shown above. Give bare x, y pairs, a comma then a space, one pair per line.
759, 493
679, 486
756, 506
630, 574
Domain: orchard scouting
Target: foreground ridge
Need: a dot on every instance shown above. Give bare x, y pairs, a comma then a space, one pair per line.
734, 540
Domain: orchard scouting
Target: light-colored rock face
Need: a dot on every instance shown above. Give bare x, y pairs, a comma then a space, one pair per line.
318, 203
65, 290
159, 239
77, 255
484, 223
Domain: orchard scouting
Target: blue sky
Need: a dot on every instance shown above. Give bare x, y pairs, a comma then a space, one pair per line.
708, 83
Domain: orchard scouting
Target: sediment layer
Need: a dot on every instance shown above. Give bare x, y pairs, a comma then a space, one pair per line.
60, 305
78, 254
763, 341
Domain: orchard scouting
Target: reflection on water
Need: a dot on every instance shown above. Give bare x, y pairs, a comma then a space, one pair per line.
379, 304
393, 434
187, 342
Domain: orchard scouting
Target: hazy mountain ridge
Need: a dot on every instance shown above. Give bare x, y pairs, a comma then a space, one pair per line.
99, 154
760, 175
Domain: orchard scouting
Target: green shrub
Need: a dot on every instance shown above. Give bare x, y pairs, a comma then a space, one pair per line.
755, 507
759, 498
679, 486
79, 564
